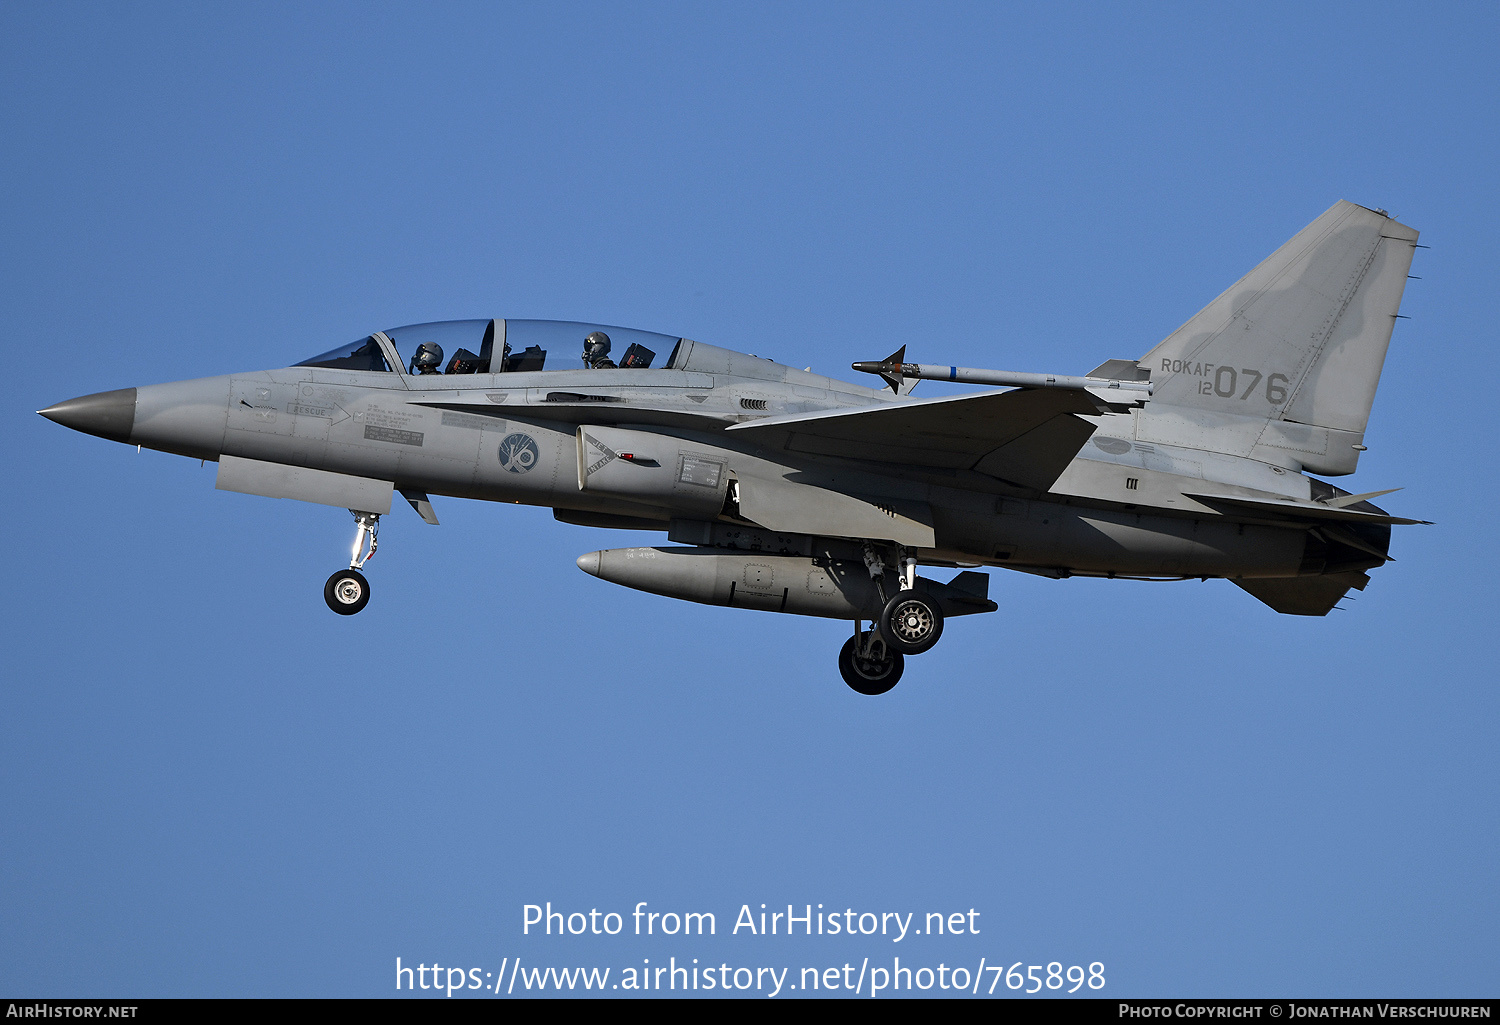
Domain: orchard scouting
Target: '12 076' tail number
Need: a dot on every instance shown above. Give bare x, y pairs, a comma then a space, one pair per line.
1225, 383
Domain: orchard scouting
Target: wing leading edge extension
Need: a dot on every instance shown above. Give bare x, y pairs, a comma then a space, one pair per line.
1026, 436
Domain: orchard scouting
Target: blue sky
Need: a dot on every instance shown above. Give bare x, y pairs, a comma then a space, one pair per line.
210, 785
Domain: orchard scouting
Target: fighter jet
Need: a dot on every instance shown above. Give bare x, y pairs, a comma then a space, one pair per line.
781, 490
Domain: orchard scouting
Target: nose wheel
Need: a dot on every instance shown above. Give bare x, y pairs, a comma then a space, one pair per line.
347, 591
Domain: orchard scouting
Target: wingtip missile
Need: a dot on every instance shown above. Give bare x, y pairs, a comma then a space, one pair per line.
891, 369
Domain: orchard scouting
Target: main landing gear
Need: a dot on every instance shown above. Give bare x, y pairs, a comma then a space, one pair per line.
868, 664
347, 591
910, 622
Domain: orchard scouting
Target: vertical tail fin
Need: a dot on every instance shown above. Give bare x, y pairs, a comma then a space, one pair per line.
1296, 345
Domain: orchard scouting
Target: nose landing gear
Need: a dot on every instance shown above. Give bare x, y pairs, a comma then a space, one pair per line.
347, 591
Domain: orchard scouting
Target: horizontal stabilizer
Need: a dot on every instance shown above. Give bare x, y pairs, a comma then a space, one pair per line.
1344, 501
1304, 510
1305, 596
1027, 436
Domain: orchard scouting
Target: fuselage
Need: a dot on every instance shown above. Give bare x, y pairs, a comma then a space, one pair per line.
1120, 508
790, 492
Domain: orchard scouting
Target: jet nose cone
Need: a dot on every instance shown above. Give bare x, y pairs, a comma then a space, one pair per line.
589, 563
107, 414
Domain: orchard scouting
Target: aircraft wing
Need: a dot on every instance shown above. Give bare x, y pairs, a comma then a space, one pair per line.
1026, 436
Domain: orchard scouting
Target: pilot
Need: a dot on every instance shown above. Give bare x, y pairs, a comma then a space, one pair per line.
596, 352
428, 358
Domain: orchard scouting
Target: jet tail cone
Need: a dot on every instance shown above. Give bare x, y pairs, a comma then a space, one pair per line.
106, 414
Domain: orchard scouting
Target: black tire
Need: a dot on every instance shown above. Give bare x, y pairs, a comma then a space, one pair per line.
347, 591
911, 622
870, 675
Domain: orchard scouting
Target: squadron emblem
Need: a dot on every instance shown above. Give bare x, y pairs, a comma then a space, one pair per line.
518, 452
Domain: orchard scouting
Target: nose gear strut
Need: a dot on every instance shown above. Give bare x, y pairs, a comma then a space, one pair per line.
347, 591
369, 524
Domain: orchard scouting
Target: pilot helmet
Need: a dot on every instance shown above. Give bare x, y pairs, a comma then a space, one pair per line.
596, 345
429, 357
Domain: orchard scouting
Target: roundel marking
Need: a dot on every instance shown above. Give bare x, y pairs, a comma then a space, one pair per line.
518, 452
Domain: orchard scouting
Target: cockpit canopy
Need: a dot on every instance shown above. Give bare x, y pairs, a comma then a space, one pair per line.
364, 354
498, 346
